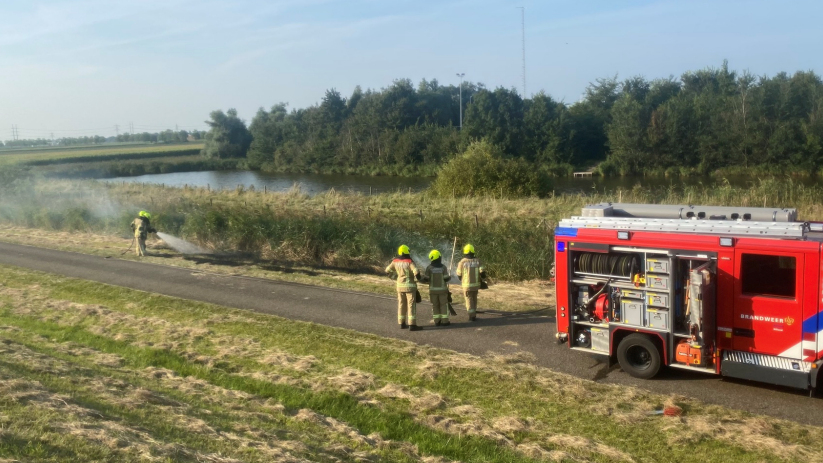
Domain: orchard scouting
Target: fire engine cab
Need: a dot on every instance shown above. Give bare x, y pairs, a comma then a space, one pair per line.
722, 290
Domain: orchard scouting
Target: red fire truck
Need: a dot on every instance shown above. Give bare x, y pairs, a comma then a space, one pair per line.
728, 291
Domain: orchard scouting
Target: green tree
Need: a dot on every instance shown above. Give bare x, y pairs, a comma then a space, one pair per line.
498, 117
228, 136
483, 169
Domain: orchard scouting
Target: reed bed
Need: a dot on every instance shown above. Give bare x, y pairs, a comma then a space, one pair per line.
360, 231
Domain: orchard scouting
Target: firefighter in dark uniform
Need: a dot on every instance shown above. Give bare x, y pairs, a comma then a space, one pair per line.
438, 277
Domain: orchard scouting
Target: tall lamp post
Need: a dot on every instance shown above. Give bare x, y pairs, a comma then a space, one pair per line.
460, 75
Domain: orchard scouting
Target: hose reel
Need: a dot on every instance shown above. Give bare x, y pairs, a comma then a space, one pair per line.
608, 264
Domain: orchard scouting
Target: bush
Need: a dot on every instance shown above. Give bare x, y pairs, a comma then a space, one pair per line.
483, 171
559, 170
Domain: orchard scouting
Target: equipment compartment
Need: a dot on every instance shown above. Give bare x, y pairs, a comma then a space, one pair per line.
657, 281
632, 294
632, 312
600, 339
657, 266
657, 299
658, 319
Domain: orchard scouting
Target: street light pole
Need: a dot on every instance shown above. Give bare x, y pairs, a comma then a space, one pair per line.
460, 75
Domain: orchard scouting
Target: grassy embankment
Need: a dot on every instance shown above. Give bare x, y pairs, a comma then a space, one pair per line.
756, 171
422, 170
116, 161
90, 372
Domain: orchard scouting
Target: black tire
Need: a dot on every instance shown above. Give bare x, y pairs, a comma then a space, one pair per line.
638, 356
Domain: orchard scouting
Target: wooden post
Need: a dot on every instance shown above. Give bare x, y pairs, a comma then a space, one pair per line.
421, 215
211, 201
324, 210
369, 191
620, 196
265, 189
476, 223
368, 211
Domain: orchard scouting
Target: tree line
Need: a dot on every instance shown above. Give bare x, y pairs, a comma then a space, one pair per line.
706, 120
166, 136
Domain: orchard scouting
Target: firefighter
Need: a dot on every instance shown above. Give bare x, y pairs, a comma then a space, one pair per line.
471, 273
438, 276
142, 227
404, 272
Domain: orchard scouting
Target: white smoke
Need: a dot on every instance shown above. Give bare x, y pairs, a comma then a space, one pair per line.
421, 258
181, 245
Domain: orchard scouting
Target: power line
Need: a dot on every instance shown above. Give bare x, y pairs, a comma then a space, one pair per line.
168, 126
21, 133
67, 130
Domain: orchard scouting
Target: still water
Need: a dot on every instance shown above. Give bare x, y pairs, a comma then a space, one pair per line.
318, 183
309, 183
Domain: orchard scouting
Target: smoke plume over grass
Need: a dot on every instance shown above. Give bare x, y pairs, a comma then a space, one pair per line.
180, 245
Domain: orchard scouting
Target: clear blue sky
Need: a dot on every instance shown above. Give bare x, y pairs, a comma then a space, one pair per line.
81, 66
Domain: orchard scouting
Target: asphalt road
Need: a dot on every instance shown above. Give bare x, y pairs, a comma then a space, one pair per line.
376, 314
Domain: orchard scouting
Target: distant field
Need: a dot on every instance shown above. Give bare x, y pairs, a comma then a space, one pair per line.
103, 153
128, 165
72, 147
91, 372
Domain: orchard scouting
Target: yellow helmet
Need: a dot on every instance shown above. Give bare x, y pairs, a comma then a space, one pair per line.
403, 249
434, 255
145, 214
468, 249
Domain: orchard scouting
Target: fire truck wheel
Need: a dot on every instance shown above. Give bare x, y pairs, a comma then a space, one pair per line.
638, 356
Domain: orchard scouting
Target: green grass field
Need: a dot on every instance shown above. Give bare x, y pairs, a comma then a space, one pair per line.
85, 154
90, 372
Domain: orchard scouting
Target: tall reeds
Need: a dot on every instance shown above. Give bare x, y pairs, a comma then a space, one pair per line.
355, 231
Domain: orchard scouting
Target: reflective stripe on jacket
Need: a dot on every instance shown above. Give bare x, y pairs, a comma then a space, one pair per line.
468, 270
139, 227
405, 270
438, 279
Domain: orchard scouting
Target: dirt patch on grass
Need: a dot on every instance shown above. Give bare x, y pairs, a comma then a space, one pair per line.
246, 408
67, 418
286, 360
512, 424
753, 432
372, 440
351, 381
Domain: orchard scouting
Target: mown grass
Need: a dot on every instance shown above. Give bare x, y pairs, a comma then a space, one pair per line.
206, 372
103, 153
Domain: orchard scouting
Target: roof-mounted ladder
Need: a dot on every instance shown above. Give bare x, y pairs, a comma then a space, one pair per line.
706, 227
